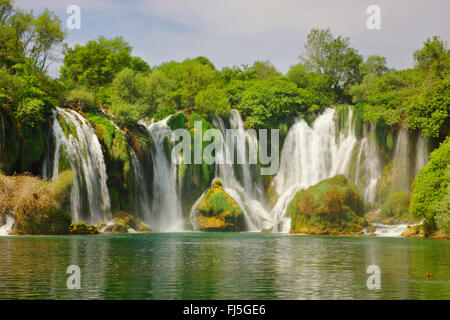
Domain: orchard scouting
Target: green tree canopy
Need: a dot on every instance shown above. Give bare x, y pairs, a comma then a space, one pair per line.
96, 63
212, 100
333, 57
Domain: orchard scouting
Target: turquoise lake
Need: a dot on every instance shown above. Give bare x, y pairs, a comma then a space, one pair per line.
222, 266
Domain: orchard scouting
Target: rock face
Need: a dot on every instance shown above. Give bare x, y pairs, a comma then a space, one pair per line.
333, 206
82, 228
218, 211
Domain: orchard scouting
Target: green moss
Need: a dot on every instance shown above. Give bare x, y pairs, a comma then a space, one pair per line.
177, 121
64, 125
396, 209
104, 129
333, 206
218, 211
342, 112
357, 121
383, 188
82, 228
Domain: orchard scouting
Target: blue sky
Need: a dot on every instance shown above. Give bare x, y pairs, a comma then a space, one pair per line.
234, 32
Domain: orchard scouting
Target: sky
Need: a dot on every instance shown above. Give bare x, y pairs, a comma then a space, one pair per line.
235, 32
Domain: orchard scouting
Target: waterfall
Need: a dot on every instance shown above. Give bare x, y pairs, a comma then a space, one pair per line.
79, 145
401, 163
166, 204
370, 169
422, 153
6, 224
143, 203
310, 154
249, 193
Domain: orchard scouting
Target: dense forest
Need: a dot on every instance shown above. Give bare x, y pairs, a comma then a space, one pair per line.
115, 91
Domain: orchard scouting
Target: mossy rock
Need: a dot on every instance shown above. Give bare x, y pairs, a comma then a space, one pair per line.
333, 206
82, 228
177, 121
121, 222
143, 228
218, 211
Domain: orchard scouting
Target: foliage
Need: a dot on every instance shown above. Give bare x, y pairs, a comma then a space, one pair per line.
443, 213
396, 208
81, 98
431, 186
218, 211
333, 206
434, 57
212, 100
418, 98
38, 205
131, 96
332, 57
374, 64
96, 63
266, 102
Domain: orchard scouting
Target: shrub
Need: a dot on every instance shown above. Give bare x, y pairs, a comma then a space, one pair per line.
81, 98
431, 186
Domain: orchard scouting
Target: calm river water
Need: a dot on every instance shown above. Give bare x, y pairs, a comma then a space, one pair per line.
222, 266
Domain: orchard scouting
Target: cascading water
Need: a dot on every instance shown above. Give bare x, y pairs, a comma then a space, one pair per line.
309, 155
248, 194
142, 195
166, 204
6, 224
79, 146
422, 152
401, 164
370, 167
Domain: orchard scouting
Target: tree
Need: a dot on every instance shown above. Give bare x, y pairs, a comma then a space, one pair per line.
433, 57
332, 57
431, 186
96, 63
267, 102
212, 100
131, 96
374, 64
24, 36
188, 77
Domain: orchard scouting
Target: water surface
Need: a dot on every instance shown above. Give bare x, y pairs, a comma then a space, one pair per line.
222, 266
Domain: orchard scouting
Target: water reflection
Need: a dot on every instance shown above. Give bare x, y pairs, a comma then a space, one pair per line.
222, 266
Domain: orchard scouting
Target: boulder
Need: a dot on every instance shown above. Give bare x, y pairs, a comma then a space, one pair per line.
218, 211
333, 206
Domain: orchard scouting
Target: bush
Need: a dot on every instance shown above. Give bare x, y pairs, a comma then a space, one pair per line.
38, 205
80, 98
396, 208
212, 100
443, 214
431, 186
333, 206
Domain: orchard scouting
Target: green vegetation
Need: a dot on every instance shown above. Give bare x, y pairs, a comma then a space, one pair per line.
333, 206
430, 194
218, 211
103, 81
82, 228
39, 206
394, 210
